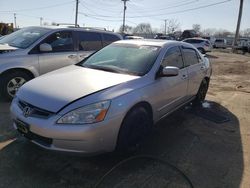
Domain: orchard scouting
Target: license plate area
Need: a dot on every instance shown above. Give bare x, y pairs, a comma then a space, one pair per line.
21, 126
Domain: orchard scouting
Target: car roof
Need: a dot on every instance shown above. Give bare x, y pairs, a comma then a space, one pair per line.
60, 28
151, 42
195, 38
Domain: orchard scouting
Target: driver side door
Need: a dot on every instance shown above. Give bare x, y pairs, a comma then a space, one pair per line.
172, 90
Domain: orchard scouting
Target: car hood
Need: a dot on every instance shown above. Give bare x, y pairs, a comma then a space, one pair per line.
54, 90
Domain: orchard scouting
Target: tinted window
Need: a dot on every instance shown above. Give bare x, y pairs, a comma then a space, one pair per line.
90, 41
219, 40
109, 38
190, 56
60, 41
173, 57
193, 41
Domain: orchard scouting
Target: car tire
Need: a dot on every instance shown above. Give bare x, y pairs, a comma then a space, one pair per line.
201, 94
202, 50
10, 83
136, 125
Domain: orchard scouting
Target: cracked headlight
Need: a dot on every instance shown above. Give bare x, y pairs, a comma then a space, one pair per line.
92, 113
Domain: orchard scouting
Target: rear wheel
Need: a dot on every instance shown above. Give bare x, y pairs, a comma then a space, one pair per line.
201, 94
11, 82
202, 50
136, 125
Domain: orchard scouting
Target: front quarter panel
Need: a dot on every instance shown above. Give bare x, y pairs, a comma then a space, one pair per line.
28, 62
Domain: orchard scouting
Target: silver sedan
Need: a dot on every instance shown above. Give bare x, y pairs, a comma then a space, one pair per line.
112, 99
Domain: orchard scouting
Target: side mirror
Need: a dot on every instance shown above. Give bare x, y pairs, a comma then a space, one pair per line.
169, 71
45, 47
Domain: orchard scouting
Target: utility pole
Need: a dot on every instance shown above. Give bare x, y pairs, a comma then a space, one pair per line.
15, 20
77, 3
238, 26
124, 10
41, 21
165, 26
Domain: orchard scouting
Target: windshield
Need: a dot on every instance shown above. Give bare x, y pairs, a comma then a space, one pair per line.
123, 58
23, 38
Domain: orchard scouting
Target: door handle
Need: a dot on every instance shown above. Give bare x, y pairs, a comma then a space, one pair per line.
184, 77
72, 56
203, 67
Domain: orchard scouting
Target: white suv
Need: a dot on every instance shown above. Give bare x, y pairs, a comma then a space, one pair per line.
220, 43
203, 45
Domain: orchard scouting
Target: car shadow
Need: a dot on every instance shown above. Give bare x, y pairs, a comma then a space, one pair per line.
211, 56
210, 154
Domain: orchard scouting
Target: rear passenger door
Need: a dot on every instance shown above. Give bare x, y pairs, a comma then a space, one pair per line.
87, 43
196, 69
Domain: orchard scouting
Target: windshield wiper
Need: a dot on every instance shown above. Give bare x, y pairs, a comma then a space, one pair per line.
111, 68
106, 68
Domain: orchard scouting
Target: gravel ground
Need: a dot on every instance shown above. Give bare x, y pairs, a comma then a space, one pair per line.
212, 155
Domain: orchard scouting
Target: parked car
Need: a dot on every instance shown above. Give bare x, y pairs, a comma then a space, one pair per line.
210, 38
33, 51
132, 37
188, 34
220, 43
164, 37
243, 45
111, 99
203, 45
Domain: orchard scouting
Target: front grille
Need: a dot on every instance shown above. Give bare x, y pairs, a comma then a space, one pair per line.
39, 139
35, 111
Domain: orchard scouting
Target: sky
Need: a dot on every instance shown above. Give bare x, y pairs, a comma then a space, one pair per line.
219, 14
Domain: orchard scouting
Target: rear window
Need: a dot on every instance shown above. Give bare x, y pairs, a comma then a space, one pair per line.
193, 41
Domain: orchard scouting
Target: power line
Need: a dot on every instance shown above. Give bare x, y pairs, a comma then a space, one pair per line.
99, 9
181, 11
39, 8
184, 3
95, 14
97, 18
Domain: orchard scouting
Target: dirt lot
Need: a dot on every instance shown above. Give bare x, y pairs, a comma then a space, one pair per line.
212, 155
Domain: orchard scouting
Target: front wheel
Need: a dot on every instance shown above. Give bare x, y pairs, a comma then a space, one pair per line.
201, 94
11, 82
135, 127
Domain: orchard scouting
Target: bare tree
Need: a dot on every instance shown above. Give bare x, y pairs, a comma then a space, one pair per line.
208, 32
127, 29
197, 28
222, 33
246, 32
45, 23
143, 28
53, 23
170, 26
